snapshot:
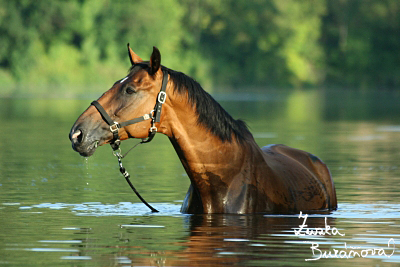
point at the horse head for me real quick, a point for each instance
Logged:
(131, 97)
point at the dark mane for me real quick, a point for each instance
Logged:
(210, 113)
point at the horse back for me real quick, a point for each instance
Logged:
(281, 157)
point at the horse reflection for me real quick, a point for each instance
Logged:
(214, 240)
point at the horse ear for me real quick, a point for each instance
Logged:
(155, 60)
(133, 57)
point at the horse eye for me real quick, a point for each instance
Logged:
(129, 90)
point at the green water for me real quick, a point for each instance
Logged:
(57, 208)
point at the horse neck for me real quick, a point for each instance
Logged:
(209, 162)
(203, 154)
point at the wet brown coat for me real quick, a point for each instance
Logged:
(226, 176)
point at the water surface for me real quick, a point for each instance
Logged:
(57, 208)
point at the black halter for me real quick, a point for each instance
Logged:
(154, 115)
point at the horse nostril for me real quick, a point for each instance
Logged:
(77, 136)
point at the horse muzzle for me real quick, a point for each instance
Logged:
(82, 142)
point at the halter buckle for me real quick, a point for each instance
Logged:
(153, 129)
(114, 127)
(162, 96)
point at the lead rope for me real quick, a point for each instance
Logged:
(123, 171)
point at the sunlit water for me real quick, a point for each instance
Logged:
(58, 209)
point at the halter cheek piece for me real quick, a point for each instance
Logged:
(154, 115)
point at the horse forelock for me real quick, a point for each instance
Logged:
(210, 113)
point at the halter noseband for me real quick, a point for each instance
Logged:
(154, 115)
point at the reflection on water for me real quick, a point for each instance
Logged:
(57, 208)
(346, 210)
(120, 209)
(126, 233)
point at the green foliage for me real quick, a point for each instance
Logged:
(67, 45)
(361, 43)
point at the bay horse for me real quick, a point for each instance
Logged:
(229, 172)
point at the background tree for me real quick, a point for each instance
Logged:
(226, 45)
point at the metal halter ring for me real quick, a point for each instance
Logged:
(117, 153)
(153, 129)
(114, 127)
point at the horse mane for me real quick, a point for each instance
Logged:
(210, 113)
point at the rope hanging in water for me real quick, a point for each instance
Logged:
(127, 176)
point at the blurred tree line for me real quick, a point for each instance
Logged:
(66, 44)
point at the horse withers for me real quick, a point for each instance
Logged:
(229, 173)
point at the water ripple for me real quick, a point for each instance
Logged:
(345, 211)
